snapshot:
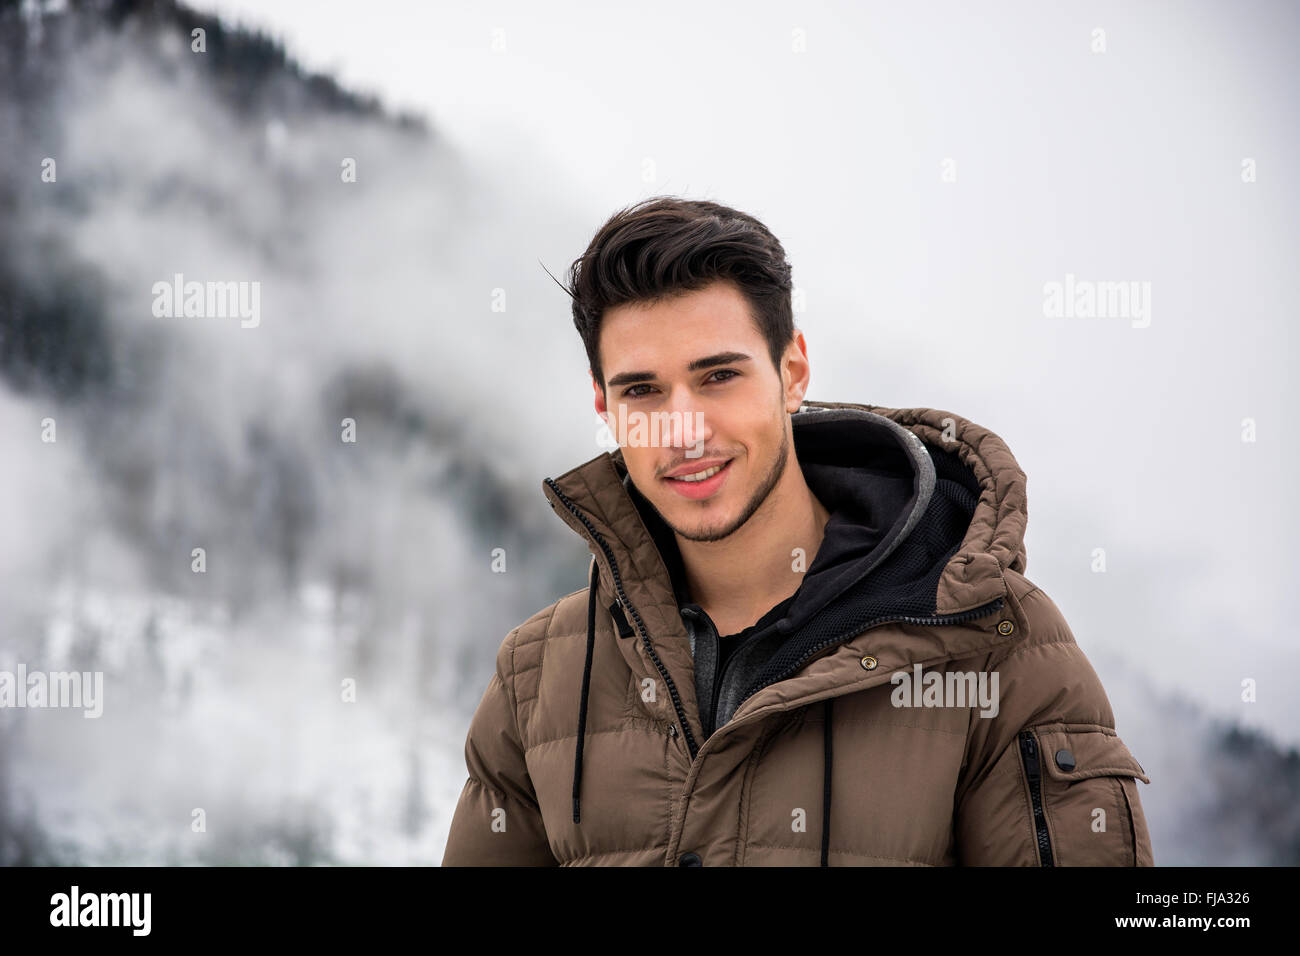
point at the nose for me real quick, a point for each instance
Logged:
(688, 427)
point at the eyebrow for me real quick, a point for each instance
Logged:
(709, 361)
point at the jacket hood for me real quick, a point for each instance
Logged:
(927, 510)
(897, 447)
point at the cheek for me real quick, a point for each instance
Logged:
(641, 465)
(758, 436)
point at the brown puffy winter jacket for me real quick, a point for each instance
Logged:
(589, 747)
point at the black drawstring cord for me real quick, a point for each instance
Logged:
(826, 783)
(586, 684)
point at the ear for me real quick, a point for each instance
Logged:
(600, 397)
(795, 372)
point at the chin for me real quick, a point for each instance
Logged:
(690, 525)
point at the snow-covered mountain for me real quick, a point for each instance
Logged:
(131, 156)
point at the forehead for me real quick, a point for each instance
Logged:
(675, 330)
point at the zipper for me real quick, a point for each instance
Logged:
(623, 602)
(1029, 753)
(719, 669)
(713, 635)
(720, 674)
(706, 631)
(958, 618)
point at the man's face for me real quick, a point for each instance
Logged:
(700, 412)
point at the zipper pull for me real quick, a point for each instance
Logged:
(1030, 748)
(620, 619)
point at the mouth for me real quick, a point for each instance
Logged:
(701, 484)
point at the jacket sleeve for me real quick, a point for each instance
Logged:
(497, 821)
(1048, 781)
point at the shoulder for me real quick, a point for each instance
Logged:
(525, 644)
(533, 646)
(1039, 623)
(1043, 673)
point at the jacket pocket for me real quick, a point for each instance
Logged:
(1083, 797)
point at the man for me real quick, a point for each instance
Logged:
(807, 638)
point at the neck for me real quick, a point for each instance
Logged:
(740, 578)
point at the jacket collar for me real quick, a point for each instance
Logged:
(874, 477)
(595, 501)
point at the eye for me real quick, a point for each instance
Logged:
(728, 373)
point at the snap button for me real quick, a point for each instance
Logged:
(690, 859)
(869, 663)
(1005, 628)
(1065, 760)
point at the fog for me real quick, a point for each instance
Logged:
(929, 171)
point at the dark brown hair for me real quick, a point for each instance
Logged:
(665, 246)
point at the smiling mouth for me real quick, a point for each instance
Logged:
(702, 475)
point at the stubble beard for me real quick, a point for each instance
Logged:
(755, 502)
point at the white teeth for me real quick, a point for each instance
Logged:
(699, 475)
